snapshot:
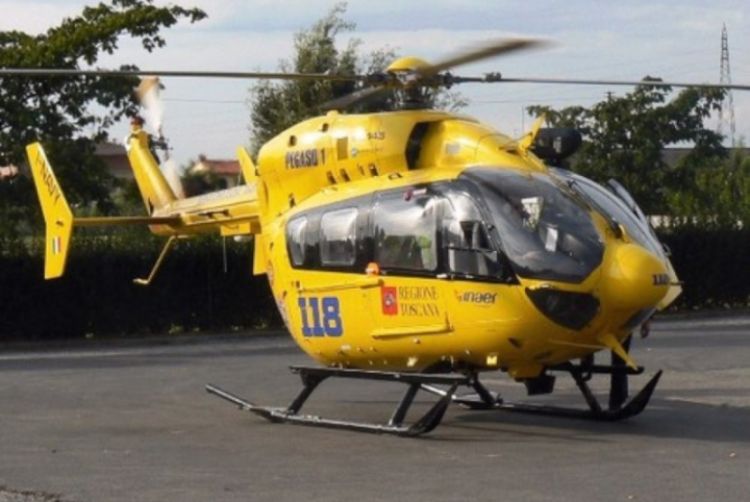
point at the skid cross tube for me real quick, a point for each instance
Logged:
(313, 376)
(484, 399)
(595, 411)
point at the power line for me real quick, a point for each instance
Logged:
(200, 100)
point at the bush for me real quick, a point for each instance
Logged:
(192, 292)
(97, 295)
(713, 264)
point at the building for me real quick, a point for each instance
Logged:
(7, 172)
(228, 172)
(115, 157)
(204, 176)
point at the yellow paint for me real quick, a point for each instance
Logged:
(609, 340)
(408, 63)
(57, 214)
(335, 157)
(247, 165)
(154, 188)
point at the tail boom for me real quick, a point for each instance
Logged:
(59, 219)
(229, 212)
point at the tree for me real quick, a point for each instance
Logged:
(62, 111)
(720, 197)
(277, 106)
(624, 138)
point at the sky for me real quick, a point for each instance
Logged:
(674, 40)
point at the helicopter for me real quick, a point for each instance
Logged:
(418, 246)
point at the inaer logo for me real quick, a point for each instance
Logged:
(476, 297)
(389, 300)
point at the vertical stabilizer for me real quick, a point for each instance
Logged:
(247, 165)
(57, 214)
(151, 182)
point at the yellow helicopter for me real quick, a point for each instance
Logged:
(418, 246)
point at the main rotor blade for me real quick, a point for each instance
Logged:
(66, 72)
(481, 52)
(353, 98)
(566, 81)
(484, 51)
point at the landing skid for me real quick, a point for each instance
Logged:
(480, 399)
(484, 399)
(311, 377)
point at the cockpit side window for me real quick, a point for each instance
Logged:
(405, 230)
(466, 242)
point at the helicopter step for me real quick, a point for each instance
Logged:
(484, 399)
(313, 376)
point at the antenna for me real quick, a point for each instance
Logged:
(727, 105)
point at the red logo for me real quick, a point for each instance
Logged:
(389, 300)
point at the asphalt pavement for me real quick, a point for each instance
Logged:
(132, 422)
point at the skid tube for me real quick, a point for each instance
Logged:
(312, 376)
(484, 399)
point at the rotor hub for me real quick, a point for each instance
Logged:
(407, 64)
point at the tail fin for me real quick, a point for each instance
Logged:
(151, 182)
(57, 214)
(251, 179)
(247, 165)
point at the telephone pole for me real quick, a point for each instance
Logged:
(726, 110)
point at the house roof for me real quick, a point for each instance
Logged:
(109, 149)
(223, 167)
(219, 167)
(8, 171)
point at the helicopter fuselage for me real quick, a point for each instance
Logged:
(417, 241)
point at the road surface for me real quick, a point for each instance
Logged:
(131, 422)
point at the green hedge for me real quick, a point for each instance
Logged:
(192, 292)
(713, 264)
(97, 294)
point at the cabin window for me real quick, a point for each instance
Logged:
(405, 230)
(338, 237)
(295, 236)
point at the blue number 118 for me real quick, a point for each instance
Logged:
(320, 316)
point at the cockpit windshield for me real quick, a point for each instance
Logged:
(545, 230)
(613, 205)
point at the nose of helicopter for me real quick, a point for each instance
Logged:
(634, 278)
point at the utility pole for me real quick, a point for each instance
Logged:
(726, 109)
